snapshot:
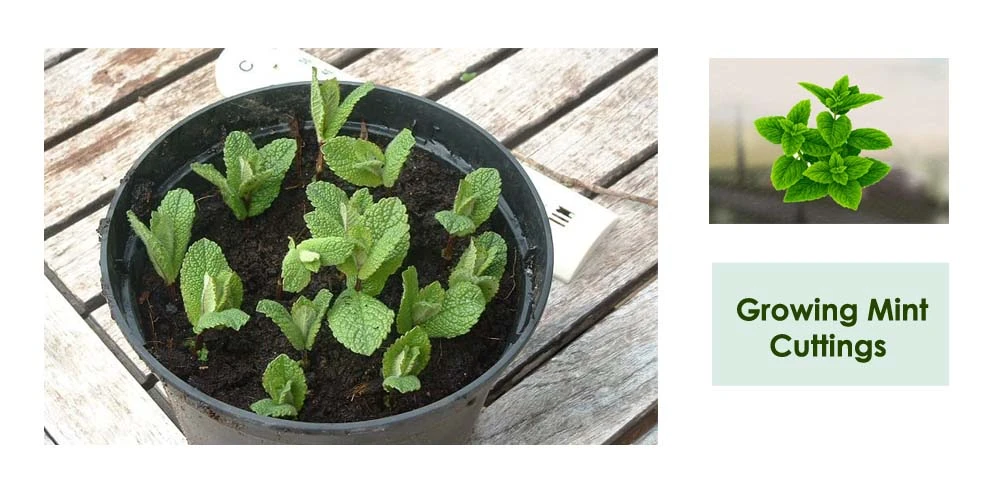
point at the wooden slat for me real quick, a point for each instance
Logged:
(53, 56)
(90, 82)
(625, 118)
(89, 397)
(649, 437)
(102, 316)
(91, 163)
(529, 86)
(74, 255)
(418, 71)
(589, 391)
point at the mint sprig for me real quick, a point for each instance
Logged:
(166, 239)
(301, 325)
(363, 163)
(285, 383)
(253, 177)
(404, 360)
(824, 161)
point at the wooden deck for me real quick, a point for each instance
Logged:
(588, 374)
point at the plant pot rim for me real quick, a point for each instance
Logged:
(539, 295)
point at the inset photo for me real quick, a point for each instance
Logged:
(843, 141)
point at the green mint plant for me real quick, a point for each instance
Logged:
(404, 360)
(477, 196)
(363, 163)
(211, 291)
(360, 322)
(378, 232)
(329, 114)
(440, 313)
(482, 264)
(253, 177)
(825, 160)
(168, 234)
(306, 258)
(285, 383)
(302, 324)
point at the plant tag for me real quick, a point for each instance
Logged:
(577, 222)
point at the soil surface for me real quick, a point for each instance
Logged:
(343, 386)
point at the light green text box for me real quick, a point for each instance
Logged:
(916, 351)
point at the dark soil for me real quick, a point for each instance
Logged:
(343, 386)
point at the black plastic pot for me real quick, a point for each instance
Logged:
(447, 135)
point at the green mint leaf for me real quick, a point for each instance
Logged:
(856, 167)
(792, 142)
(406, 383)
(362, 200)
(204, 273)
(239, 147)
(847, 196)
(463, 303)
(769, 127)
(786, 171)
(842, 85)
(806, 190)
(383, 249)
(800, 112)
(302, 324)
(869, 138)
(455, 224)
(294, 273)
(877, 172)
(839, 178)
(815, 145)
(356, 161)
(276, 158)
(280, 316)
(818, 172)
(834, 132)
(331, 206)
(285, 382)
(854, 89)
(429, 301)
(405, 359)
(306, 258)
(404, 317)
(167, 238)
(856, 101)
(359, 322)
(482, 264)
(229, 196)
(268, 408)
(229, 318)
(847, 150)
(331, 250)
(820, 92)
(324, 99)
(396, 154)
(334, 124)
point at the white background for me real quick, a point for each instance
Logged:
(714, 442)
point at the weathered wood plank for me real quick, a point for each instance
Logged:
(418, 71)
(102, 316)
(627, 252)
(54, 56)
(91, 163)
(530, 85)
(589, 391)
(622, 118)
(89, 397)
(74, 255)
(649, 437)
(85, 86)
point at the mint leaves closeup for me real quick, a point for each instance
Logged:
(169, 231)
(824, 161)
(285, 383)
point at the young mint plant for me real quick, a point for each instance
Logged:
(359, 322)
(168, 234)
(404, 360)
(306, 258)
(285, 382)
(253, 177)
(824, 160)
(482, 264)
(379, 232)
(302, 324)
(477, 196)
(441, 313)
(363, 163)
(211, 291)
(329, 114)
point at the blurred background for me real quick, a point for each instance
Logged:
(913, 111)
